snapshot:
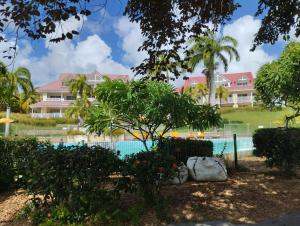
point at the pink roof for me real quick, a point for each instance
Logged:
(232, 77)
(54, 104)
(58, 85)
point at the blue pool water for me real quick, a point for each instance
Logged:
(131, 147)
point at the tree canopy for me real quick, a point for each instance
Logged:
(278, 83)
(149, 108)
(166, 25)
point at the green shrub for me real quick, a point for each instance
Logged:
(27, 120)
(182, 149)
(280, 146)
(115, 216)
(65, 120)
(75, 176)
(13, 158)
(145, 173)
(75, 132)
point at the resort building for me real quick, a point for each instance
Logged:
(240, 86)
(56, 96)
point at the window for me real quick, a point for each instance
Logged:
(221, 81)
(54, 96)
(194, 83)
(242, 95)
(70, 98)
(242, 81)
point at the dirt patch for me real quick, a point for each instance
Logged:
(10, 204)
(247, 197)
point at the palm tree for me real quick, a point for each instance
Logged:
(80, 88)
(161, 66)
(199, 90)
(210, 50)
(79, 109)
(222, 93)
(26, 99)
(12, 85)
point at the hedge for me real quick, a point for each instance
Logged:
(13, 158)
(280, 146)
(75, 175)
(182, 149)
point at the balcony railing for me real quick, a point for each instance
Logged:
(245, 99)
(54, 99)
(47, 115)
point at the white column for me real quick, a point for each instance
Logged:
(6, 134)
(61, 96)
(60, 112)
(235, 100)
(251, 99)
(44, 96)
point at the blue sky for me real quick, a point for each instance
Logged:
(108, 43)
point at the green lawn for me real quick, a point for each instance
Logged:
(256, 117)
(241, 121)
(246, 120)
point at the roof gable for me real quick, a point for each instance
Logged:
(59, 84)
(230, 77)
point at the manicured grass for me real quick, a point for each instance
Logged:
(256, 117)
(246, 120)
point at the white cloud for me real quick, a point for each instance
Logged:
(131, 39)
(82, 57)
(243, 30)
(85, 56)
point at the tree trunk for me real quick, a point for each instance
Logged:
(212, 92)
(7, 124)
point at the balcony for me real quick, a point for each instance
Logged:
(48, 115)
(54, 99)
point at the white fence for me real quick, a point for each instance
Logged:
(47, 115)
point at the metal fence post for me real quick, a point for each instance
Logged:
(235, 152)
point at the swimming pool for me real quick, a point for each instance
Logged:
(131, 147)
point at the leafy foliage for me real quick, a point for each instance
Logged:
(82, 90)
(72, 175)
(281, 147)
(200, 90)
(16, 88)
(222, 93)
(146, 172)
(182, 149)
(278, 83)
(13, 154)
(280, 18)
(163, 23)
(71, 185)
(150, 108)
(28, 120)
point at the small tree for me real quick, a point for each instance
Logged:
(82, 90)
(222, 93)
(278, 83)
(200, 90)
(151, 108)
